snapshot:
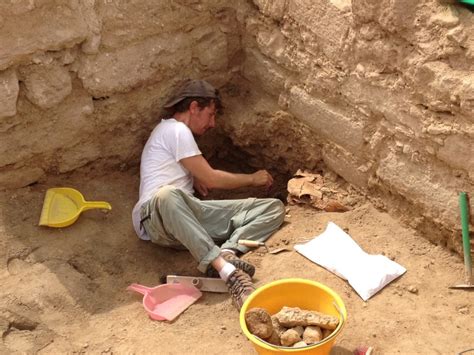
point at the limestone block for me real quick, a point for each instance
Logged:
(327, 22)
(326, 120)
(342, 5)
(393, 15)
(131, 66)
(444, 88)
(8, 93)
(459, 36)
(127, 22)
(258, 68)
(447, 16)
(47, 85)
(273, 44)
(465, 92)
(44, 28)
(365, 11)
(210, 47)
(426, 83)
(274, 9)
(436, 30)
(394, 105)
(436, 75)
(426, 185)
(458, 152)
(378, 55)
(352, 168)
(15, 178)
(293, 50)
(398, 15)
(440, 128)
(369, 32)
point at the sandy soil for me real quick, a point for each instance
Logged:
(63, 290)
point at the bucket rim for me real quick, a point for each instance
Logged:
(337, 302)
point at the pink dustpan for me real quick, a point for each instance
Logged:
(166, 302)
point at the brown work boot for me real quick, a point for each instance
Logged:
(234, 260)
(240, 287)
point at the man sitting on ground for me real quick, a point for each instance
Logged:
(169, 215)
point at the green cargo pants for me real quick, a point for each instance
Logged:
(175, 219)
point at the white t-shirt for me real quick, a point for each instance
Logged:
(169, 142)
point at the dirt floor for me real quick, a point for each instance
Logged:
(63, 290)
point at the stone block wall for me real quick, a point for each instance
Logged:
(387, 89)
(379, 91)
(82, 81)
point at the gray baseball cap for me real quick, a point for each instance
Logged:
(192, 88)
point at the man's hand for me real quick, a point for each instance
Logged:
(262, 178)
(209, 178)
(200, 187)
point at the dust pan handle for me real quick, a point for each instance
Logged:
(89, 205)
(465, 236)
(139, 288)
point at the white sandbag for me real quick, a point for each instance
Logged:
(336, 251)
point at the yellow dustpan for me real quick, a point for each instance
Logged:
(63, 205)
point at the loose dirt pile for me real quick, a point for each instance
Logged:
(63, 290)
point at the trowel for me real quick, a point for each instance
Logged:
(252, 244)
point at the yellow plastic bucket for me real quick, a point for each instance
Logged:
(302, 293)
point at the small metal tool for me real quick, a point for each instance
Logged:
(202, 283)
(279, 250)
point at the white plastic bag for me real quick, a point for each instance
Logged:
(336, 251)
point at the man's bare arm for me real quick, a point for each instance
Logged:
(219, 179)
